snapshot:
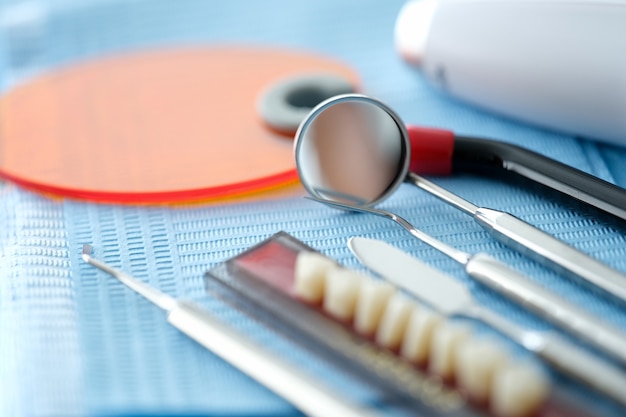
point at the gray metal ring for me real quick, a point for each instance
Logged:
(285, 104)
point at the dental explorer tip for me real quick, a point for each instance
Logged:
(87, 251)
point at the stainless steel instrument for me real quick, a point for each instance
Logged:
(534, 243)
(354, 149)
(295, 386)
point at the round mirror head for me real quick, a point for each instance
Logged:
(352, 149)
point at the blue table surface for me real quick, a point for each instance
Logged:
(73, 342)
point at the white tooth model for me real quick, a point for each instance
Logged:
(310, 275)
(418, 335)
(556, 63)
(372, 300)
(394, 320)
(446, 340)
(518, 389)
(341, 292)
(478, 361)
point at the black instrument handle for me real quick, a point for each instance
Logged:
(480, 155)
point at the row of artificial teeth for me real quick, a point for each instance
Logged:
(448, 349)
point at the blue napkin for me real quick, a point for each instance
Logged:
(75, 342)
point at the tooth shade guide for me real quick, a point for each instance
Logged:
(449, 349)
(450, 352)
(301, 315)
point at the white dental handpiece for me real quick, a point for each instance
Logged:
(556, 63)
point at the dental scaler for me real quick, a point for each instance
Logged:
(555, 63)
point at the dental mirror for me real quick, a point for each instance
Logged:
(353, 149)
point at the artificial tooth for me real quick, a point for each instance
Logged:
(394, 321)
(341, 292)
(518, 390)
(477, 361)
(310, 275)
(371, 303)
(445, 342)
(418, 335)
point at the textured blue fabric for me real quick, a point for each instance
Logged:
(75, 342)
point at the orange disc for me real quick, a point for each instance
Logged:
(153, 127)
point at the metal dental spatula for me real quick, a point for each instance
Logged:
(450, 297)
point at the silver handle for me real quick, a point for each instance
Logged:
(580, 364)
(303, 391)
(548, 305)
(562, 354)
(551, 252)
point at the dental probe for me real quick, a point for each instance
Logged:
(300, 389)
(534, 242)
